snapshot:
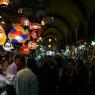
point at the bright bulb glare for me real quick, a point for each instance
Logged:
(49, 46)
(49, 40)
(93, 43)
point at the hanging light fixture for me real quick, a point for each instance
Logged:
(24, 50)
(4, 2)
(19, 35)
(2, 35)
(7, 46)
(21, 10)
(47, 20)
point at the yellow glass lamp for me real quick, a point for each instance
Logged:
(4, 2)
(2, 38)
(2, 35)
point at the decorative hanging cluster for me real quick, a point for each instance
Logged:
(4, 2)
(22, 32)
(19, 35)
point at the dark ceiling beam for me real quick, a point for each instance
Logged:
(82, 8)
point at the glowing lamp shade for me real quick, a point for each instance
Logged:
(39, 39)
(19, 35)
(24, 50)
(2, 38)
(4, 2)
(36, 27)
(25, 22)
(32, 45)
(34, 35)
(7, 46)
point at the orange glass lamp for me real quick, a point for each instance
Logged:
(2, 38)
(24, 50)
(32, 45)
(4, 2)
(2, 35)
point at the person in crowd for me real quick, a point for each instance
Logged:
(93, 77)
(34, 66)
(2, 82)
(82, 77)
(11, 71)
(68, 83)
(48, 77)
(26, 81)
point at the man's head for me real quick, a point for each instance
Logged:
(19, 61)
(31, 62)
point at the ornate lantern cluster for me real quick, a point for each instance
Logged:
(4, 2)
(25, 33)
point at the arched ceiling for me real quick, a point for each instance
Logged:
(68, 10)
(75, 14)
(89, 6)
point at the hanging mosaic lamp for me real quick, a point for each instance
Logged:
(32, 45)
(24, 50)
(36, 27)
(4, 2)
(2, 38)
(19, 35)
(2, 35)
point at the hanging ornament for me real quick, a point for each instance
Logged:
(36, 27)
(39, 39)
(2, 38)
(21, 10)
(24, 21)
(2, 35)
(24, 50)
(43, 21)
(8, 46)
(4, 2)
(47, 20)
(34, 35)
(19, 35)
(32, 45)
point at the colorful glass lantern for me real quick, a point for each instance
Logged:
(4, 2)
(32, 45)
(19, 35)
(34, 35)
(36, 27)
(2, 38)
(2, 35)
(24, 50)
(7, 46)
(39, 39)
(24, 21)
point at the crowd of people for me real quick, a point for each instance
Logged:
(56, 75)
